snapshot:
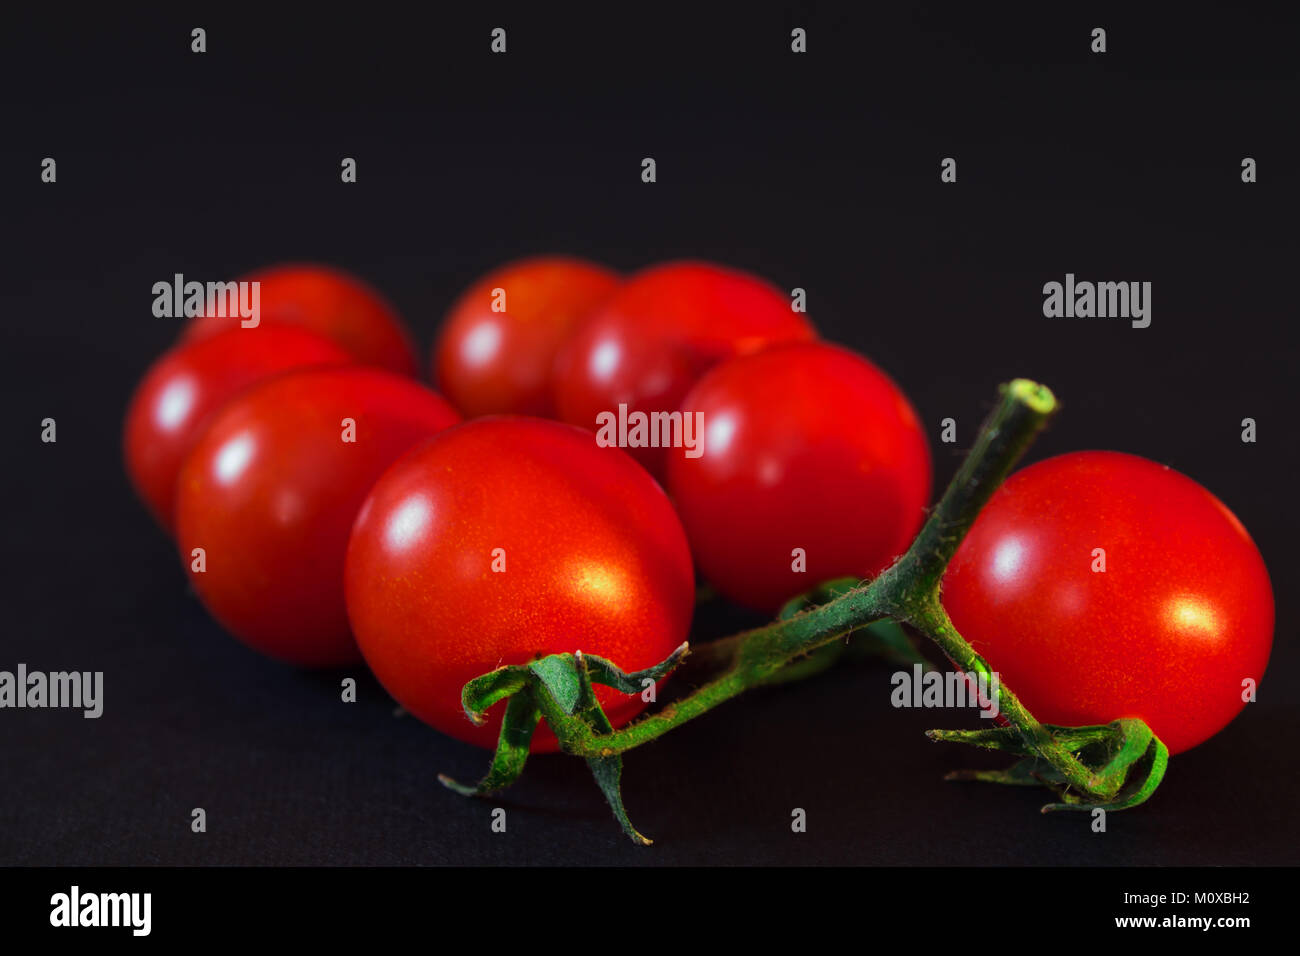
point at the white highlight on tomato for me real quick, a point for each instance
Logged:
(175, 403)
(408, 522)
(234, 457)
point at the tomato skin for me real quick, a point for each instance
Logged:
(653, 338)
(489, 362)
(186, 386)
(595, 561)
(270, 493)
(329, 302)
(1181, 616)
(806, 446)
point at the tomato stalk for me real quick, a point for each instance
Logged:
(1113, 766)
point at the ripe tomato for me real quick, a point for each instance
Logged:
(658, 333)
(805, 446)
(185, 387)
(270, 492)
(1181, 615)
(329, 302)
(489, 361)
(505, 539)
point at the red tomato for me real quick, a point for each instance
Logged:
(1182, 614)
(594, 560)
(185, 387)
(805, 446)
(490, 361)
(270, 493)
(658, 333)
(331, 303)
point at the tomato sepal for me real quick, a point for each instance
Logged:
(482, 692)
(559, 689)
(565, 694)
(1126, 759)
(604, 672)
(608, 770)
(561, 676)
(521, 719)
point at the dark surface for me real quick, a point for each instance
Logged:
(818, 171)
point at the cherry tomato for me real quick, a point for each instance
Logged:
(496, 351)
(1179, 618)
(658, 333)
(329, 302)
(506, 539)
(806, 446)
(185, 387)
(270, 493)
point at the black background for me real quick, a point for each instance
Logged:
(820, 171)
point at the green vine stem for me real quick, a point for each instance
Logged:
(1112, 767)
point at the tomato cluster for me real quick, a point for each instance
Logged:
(329, 508)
